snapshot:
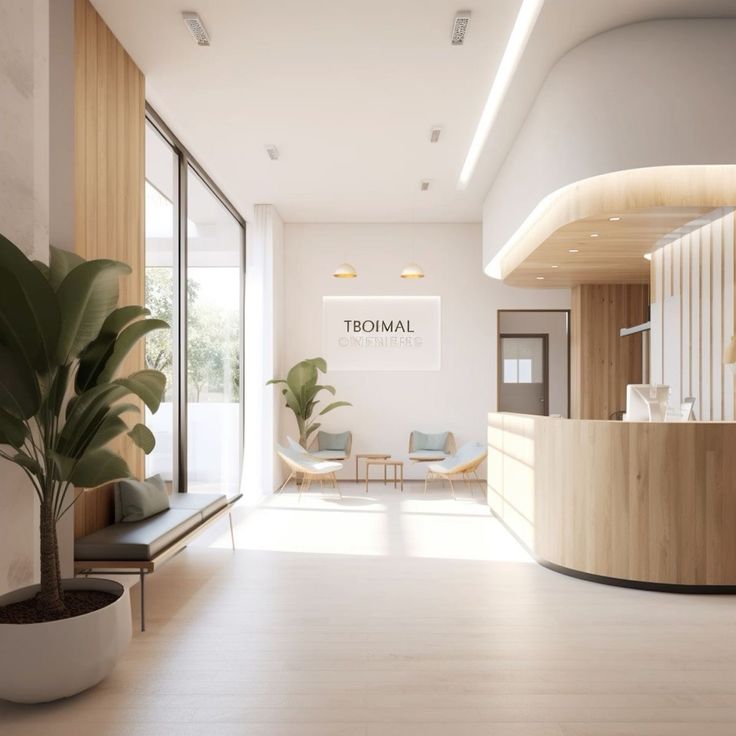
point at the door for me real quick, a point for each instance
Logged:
(523, 374)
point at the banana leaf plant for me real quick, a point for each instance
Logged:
(63, 340)
(300, 393)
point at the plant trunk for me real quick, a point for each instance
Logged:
(50, 597)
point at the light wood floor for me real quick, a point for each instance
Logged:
(400, 616)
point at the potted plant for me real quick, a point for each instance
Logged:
(301, 395)
(63, 339)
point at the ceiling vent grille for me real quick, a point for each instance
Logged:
(460, 27)
(434, 135)
(273, 152)
(424, 185)
(199, 33)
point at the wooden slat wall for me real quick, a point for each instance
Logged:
(693, 316)
(652, 502)
(601, 362)
(109, 120)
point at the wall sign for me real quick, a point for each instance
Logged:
(382, 333)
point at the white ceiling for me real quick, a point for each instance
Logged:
(348, 91)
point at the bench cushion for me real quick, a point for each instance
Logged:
(137, 540)
(206, 503)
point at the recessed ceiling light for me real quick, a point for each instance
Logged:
(273, 152)
(594, 235)
(540, 278)
(434, 134)
(573, 250)
(199, 33)
(615, 218)
(512, 54)
(648, 256)
(554, 266)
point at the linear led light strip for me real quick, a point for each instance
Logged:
(523, 26)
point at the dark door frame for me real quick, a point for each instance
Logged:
(567, 313)
(545, 357)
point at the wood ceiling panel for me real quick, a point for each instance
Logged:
(608, 252)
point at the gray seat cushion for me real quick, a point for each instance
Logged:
(206, 503)
(137, 540)
(329, 454)
(427, 455)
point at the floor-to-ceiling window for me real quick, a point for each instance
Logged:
(214, 279)
(195, 243)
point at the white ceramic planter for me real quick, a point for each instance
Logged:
(56, 659)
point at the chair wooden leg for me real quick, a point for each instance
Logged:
(426, 480)
(452, 487)
(286, 482)
(334, 480)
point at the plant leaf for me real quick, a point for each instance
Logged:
(275, 380)
(148, 385)
(111, 426)
(27, 462)
(87, 296)
(143, 437)
(318, 363)
(312, 428)
(12, 430)
(124, 344)
(334, 405)
(43, 268)
(92, 361)
(331, 389)
(29, 310)
(98, 467)
(121, 317)
(61, 262)
(20, 394)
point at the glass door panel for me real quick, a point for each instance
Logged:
(214, 283)
(523, 368)
(161, 213)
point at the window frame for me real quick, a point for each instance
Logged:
(184, 162)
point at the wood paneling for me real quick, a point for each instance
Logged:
(614, 256)
(683, 188)
(651, 502)
(109, 119)
(601, 362)
(693, 315)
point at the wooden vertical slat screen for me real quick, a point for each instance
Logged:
(692, 324)
(109, 121)
(601, 362)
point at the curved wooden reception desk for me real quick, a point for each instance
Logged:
(635, 503)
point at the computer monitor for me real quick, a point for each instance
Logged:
(638, 396)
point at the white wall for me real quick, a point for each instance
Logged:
(554, 324)
(24, 197)
(692, 316)
(388, 405)
(649, 94)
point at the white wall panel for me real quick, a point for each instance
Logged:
(693, 315)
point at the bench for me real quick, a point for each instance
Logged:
(141, 547)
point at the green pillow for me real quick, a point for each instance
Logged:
(329, 441)
(431, 442)
(136, 500)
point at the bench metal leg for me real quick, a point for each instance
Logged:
(232, 534)
(143, 600)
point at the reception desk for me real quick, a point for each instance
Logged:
(636, 503)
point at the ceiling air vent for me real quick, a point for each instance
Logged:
(199, 33)
(424, 185)
(460, 27)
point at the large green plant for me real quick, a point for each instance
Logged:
(63, 339)
(301, 395)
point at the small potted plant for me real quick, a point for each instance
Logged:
(63, 340)
(300, 393)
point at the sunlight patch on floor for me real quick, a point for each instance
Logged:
(380, 523)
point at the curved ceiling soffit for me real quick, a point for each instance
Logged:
(594, 134)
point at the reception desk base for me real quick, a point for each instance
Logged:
(645, 505)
